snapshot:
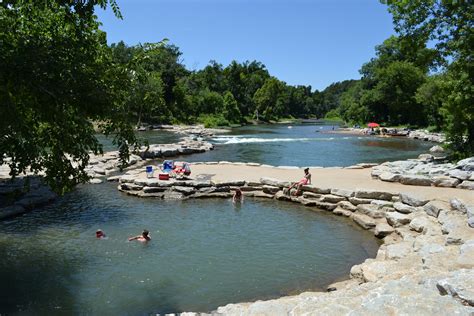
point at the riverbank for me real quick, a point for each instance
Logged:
(426, 262)
(393, 132)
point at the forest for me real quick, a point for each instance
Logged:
(60, 81)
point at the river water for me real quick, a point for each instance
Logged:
(203, 253)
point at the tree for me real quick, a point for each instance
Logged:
(448, 24)
(56, 79)
(231, 109)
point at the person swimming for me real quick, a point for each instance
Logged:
(238, 196)
(100, 234)
(144, 237)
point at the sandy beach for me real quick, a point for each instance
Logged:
(340, 178)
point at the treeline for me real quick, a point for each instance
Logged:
(408, 83)
(162, 90)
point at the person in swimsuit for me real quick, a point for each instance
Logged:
(144, 237)
(238, 197)
(306, 180)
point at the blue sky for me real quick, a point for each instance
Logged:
(307, 42)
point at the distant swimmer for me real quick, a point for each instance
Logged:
(100, 234)
(144, 237)
(238, 196)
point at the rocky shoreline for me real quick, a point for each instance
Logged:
(426, 171)
(425, 264)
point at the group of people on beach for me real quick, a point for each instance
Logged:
(144, 237)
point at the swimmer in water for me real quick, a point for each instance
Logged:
(238, 196)
(144, 237)
(99, 234)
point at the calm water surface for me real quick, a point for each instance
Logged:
(204, 253)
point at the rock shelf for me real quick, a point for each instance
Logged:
(426, 171)
(425, 264)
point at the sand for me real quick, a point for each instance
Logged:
(340, 178)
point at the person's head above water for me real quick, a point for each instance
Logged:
(145, 233)
(99, 233)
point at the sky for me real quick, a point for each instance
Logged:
(302, 42)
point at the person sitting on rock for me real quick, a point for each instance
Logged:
(298, 185)
(144, 237)
(238, 196)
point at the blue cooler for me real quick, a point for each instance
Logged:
(149, 171)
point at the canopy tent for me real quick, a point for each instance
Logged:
(372, 125)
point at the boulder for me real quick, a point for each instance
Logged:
(153, 182)
(268, 189)
(470, 215)
(259, 194)
(403, 208)
(415, 180)
(412, 200)
(250, 188)
(445, 182)
(381, 203)
(325, 205)
(426, 157)
(282, 197)
(459, 285)
(315, 189)
(347, 206)
(373, 194)
(466, 256)
(130, 187)
(433, 208)
(330, 198)
(113, 178)
(390, 177)
(364, 221)
(196, 183)
(95, 181)
(184, 190)
(357, 201)
(458, 174)
(341, 211)
(398, 250)
(153, 189)
(274, 182)
(458, 205)
(381, 229)
(370, 210)
(466, 184)
(436, 149)
(311, 195)
(234, 183)
(342, 192)
(397, 219)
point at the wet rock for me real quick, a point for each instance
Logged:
(364, 221)
(95, 181)
(412, 200)
(341, 211)
(372, 194)
(415, 180)
(130, 187)
(153, 189)
(282, 197)
(325, 205)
